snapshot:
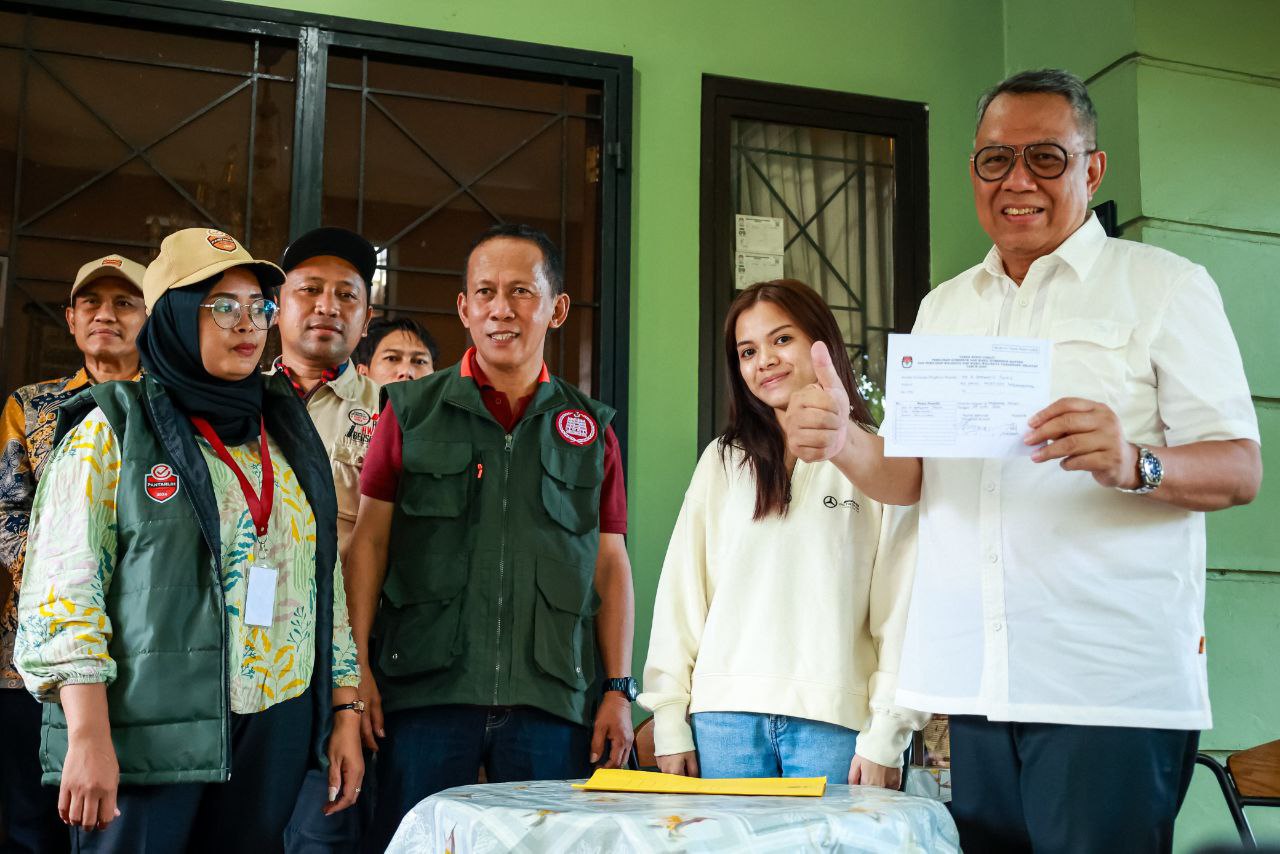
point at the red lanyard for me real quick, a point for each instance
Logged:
(259, 506)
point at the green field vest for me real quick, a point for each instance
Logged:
(489, 597)
(170, 705)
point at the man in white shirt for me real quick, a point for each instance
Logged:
(1058, 606)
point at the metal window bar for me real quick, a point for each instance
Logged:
(822, 257)
(135, 152)
(158, 63)
(468, 102)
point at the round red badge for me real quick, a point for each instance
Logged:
(576, 427)
(161, 483)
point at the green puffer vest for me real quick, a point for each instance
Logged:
(169, 705)
(489, 597)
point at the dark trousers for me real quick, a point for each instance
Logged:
(436, 748)
(1050, 788)
(29, 810)
(269, 753)
(310, 831)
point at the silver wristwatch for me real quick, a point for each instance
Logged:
(1150, 472)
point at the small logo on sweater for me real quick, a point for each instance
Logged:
(161, 483)
(576, 427)
(833, 502)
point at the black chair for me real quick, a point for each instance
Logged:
(1251, 778)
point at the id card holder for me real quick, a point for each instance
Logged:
(260, 598)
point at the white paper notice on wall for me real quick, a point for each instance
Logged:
(759, 235)
(749, 268)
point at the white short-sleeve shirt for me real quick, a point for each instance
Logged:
(1039, 594)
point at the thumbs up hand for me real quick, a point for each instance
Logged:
(816, 424)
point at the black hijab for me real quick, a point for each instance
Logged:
(169, 349)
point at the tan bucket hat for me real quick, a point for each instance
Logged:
(109, 265)
(193, 255)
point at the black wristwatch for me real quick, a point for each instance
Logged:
(357, 707)
(627, 685)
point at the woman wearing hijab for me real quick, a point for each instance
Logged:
(183, 614)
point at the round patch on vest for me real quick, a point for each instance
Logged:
(161, 483)
(359, 417)
(221, 240)
(576, 427)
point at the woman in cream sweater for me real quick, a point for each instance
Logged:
(783, 597)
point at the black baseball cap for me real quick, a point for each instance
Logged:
(338, 242)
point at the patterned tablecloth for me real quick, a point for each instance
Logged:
(549, 816)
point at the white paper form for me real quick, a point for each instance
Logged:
(749, 268)
(963, 396)
(760, 235)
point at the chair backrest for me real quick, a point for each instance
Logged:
(1256, 771)
(645, 758)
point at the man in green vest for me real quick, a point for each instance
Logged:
(488, 566)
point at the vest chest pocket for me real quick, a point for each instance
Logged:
(1090, 358)
(571, 487)
(562, 645)
(437, 477)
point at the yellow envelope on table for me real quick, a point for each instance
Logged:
(621, 780)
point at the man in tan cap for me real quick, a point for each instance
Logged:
(104, 314)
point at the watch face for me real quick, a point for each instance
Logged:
(1152, 471)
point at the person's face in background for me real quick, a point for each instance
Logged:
(399, 356)
(232, 354)
(1027, 216)
(509, 304)
(773, 354)
(105, 318)
(324, 311)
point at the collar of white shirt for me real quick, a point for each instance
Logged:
(1077, 252)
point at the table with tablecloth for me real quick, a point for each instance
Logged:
(551, 816)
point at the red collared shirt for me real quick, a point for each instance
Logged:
(380, 477)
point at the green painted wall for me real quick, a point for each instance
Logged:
(1188, 95)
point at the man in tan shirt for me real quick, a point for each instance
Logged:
(324, 312)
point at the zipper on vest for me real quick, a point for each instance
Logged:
(226, 683)
(502, 564)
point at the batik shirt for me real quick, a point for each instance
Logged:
(64, 632)
(26, 438)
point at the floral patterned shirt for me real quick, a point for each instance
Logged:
(63, 630)
(26, 438)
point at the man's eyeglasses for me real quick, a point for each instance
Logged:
(227, 312)
(1044, 159)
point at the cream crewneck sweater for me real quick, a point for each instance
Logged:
(799, 615)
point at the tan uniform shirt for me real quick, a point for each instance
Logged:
(345, 411)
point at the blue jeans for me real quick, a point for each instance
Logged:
(431, 749)
(752, 744)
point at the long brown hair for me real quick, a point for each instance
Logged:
(753, 426)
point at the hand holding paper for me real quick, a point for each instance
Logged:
(1086, 436)
(963, 396)
(817, 419)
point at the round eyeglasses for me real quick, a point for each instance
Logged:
(227, 312)
(1043, 159)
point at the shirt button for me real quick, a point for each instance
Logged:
(997, 625)
(993, 557)
(990, 487)
(394, 656)
(1024, 302)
